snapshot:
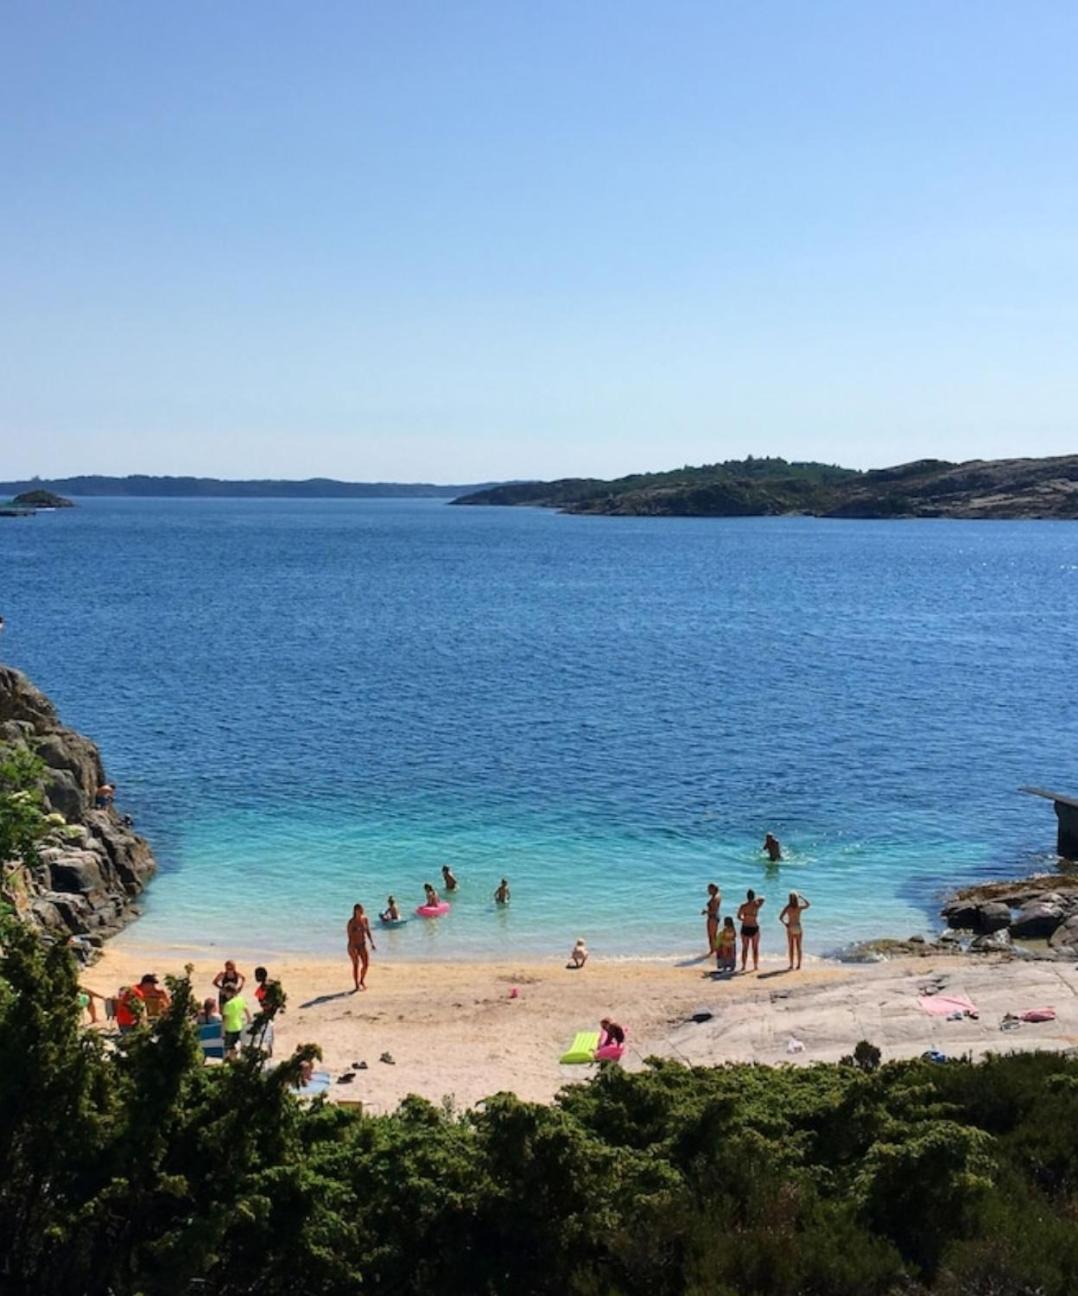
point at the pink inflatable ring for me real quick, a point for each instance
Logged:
(433, 911)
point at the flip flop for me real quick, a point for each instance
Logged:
(388, 1058)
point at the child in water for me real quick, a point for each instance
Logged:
(390, 913)
(726, 946)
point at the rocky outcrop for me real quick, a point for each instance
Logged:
(1035, 909)
(89, 875)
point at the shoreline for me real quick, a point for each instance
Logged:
(455, 1031)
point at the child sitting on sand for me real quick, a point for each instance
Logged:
(578, 955)
(726, 946)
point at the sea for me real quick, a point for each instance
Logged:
(309, 703)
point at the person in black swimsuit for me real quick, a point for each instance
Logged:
(228, 982)
(749, 918)
(714, 900)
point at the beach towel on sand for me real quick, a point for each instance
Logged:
(582, 1048)
(942, 1005)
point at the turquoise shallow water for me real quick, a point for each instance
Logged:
(308, 703)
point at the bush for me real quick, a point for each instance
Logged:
(130, 1167)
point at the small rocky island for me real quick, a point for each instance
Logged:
(33, 501)
(42, 499)
(90, 873)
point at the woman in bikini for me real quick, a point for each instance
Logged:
(359, 933)
(791, 920)
(228, 982)
(749, 918)
(714, 900)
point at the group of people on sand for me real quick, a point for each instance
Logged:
(227, 1014)
(722, 940)
(361, 938)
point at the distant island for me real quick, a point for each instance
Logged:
(41, 499)
(141, 486)
(30, 501)
(767, 487)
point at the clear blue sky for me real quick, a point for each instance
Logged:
(459, 241)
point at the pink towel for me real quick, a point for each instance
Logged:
(942, 1005)
(1039, 1014)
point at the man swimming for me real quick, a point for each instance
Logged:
(501, 895)
(773, 847)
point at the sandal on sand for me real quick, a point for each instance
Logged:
(388, 1058)
(361, 1066)
(347, 1078)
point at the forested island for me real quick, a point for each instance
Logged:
(140, 485)
(752, 487)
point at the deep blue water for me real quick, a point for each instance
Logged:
(307, 703)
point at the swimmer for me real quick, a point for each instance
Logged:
(359, 933)
(390, 913)
(578, 955)
(501, 895)
(773, 847)
(448, 878)
(749, 918)
(791, 920)
(714, 900)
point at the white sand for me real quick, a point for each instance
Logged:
(454, 1030)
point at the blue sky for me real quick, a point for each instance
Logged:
(457, 241)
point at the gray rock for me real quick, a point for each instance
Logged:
(1064, 940)
(991, 942)
(950, 938)
(1037, 920)
(977, 916)
(79, 871)
(87, 879)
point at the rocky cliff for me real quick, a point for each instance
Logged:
(89, 875)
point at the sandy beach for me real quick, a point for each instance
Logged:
(458, 1031)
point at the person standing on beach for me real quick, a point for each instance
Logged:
(229, 981)
(791, 920)
(501, 895)
(749, 918)
(714, 900)
(359, 933)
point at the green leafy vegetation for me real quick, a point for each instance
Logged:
(129, 1166)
